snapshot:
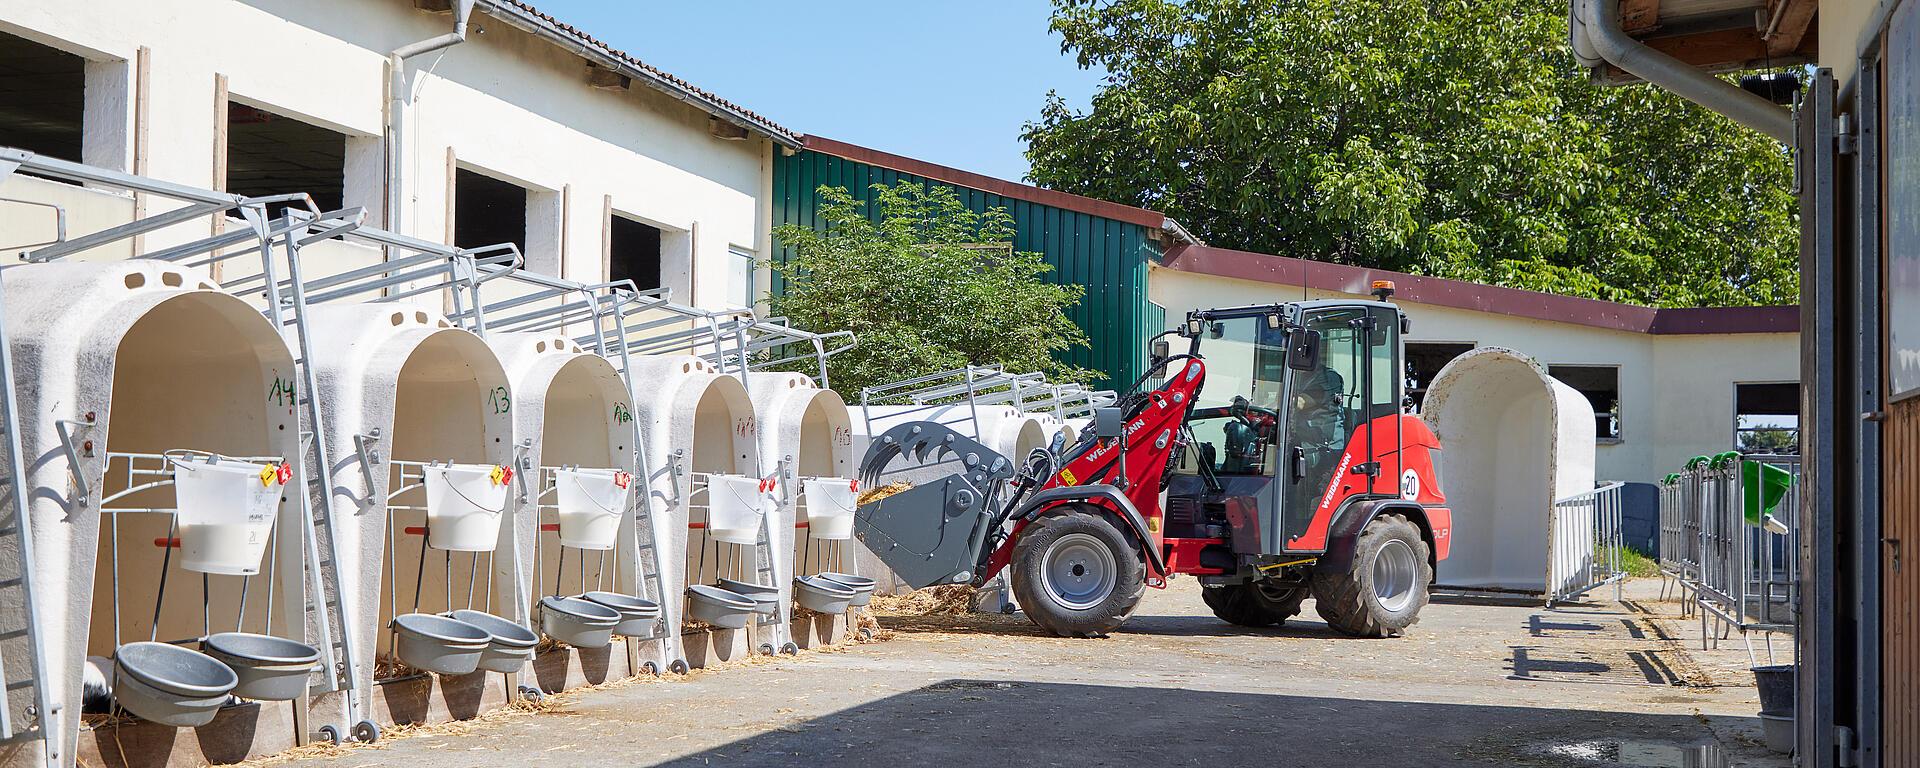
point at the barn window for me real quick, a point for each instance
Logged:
(1601, 386)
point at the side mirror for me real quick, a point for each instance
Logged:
(1161, 351)
(1303, 350)
(1108, 423)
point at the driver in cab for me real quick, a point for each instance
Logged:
(1319, 423)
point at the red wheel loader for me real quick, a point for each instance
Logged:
(1272, 461)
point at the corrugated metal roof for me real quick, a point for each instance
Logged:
(534, 20)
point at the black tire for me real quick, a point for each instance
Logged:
(1254, 604)
(1101, 576)
(1367, 600)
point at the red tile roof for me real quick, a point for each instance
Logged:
(655, 77)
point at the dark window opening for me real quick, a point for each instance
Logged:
(488, 211)
(1424, 361)
(633, 253)
(42, 98)
(1766, 418)
(1601, 386)
(270, 154)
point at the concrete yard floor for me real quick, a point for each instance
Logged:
(1476, 683)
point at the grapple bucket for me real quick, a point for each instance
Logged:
(932, 533)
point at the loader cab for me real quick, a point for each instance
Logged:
(1273, 430)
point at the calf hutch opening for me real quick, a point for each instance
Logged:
(1516, 441)
(174, 580)
(808, 433)
(712, 497)
(577, 439)
(424, 412)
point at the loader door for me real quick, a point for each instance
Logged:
(1322, 405)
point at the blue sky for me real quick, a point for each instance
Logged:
(946, 82)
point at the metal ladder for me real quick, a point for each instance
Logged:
(341, 666)
(767, 633)
(41, 718)
(647, 569)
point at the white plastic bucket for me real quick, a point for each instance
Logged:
(830, 502)
(735, 505)
(464, 502)
(225, 512)
(591, 502)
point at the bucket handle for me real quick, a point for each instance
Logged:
(591, 499)
(456, 491)
(736, 494)
(832, 502)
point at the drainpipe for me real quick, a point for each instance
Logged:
(397, 98)
(1595, 34)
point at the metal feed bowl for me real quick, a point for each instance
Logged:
(511, 647)
(718, 607)
(638, 615)
(822, 595)
(862, 586)
(439, 644)
(269, 668)
(766, 598)
(170, 685)
(577, 622)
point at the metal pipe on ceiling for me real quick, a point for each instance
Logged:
(1595, 35)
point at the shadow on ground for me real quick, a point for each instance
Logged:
(1003, 723)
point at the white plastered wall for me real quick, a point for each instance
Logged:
(430, 392)
(1514, 440)
(570, 408)
(503, 103)
(134, 356)
(1676, 391)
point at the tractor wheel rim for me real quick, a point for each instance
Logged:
(1394, 572)
(1078, 571)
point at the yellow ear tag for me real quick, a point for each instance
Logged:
(498, 475)
(268, 475)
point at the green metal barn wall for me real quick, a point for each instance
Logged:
(1108, 257)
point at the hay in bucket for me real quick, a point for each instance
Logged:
(872, 495)
(942, 600)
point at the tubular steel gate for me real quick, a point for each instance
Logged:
(1731, 562)
(1584, 544)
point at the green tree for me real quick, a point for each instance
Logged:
(1770, 441)
(1454, 138)
(926, 285)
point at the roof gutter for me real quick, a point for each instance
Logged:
(398, 87)
(538, 27)
(1180, 232)
(1595, 34)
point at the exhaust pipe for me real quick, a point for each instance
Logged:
(1594, 33)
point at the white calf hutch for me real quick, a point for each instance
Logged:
(172, 538)
(709, 496)
(575, 426)
(808, 433)
(424, 415)
(1527, 441)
